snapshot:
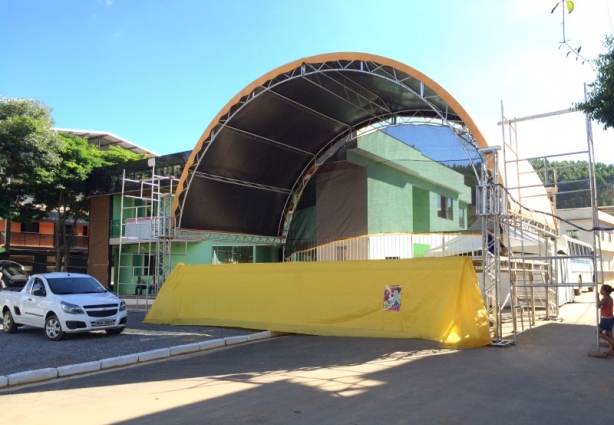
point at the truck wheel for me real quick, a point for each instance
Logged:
(115, 331)
(8, 324)
(53, 328)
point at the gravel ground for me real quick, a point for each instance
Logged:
(29, 349)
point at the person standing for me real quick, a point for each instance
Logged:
(153, 286)
(606, 304)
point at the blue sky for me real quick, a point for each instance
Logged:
(156, 72)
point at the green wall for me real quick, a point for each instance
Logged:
(403, 186)
(422, 210)
(419, 249)
(390, 206)
(266, 254)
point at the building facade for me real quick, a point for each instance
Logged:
(34, 245)
(384, 192)
(376, 187)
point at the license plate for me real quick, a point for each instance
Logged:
(103, 322)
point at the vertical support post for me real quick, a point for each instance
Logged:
(597, 271)
(118, 269)
(490, 207)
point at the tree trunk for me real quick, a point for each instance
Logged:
(67, 243)
(59, 232)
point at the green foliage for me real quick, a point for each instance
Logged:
(116, 155)
(42, 170)
(28, 151)
(64, 186)
(63, 191)
(573, 177)
(66, 183)
(570, 6)
(600, 103)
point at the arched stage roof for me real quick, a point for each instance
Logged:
(247, 171)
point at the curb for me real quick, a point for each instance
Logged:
(47, 374)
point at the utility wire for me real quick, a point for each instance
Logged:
(598, 228)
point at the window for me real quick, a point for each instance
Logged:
(149, 262)
(30, 227)
(444, 207)
(232, 254)
(461, 217)
(573, 234)
(37, 288)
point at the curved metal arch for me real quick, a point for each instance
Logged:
(369, 64)
(333, 146)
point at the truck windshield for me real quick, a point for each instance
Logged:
(14, 271)
(75, 285)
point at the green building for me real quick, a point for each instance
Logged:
(376, 192)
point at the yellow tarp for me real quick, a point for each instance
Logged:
(439, 299)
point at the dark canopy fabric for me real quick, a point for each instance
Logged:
(251, 164)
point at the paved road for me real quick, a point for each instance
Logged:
(28, 349)
(326, 380)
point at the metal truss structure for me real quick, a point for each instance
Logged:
(154, 235)
(490, 207)
(536, 279)
(330, 77)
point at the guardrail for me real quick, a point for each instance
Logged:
(41, 240)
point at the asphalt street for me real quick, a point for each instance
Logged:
(546, 378)
(29, 349)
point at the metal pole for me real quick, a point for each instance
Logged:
(121, 225)
(594, 205)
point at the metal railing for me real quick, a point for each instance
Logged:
(387, 246)
(41, 240)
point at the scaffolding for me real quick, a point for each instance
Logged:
(146, 235)
(490, 208)
(538, 273)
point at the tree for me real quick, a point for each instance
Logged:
(63, 192)
(28, 151)
(600, 103)
(572, 177)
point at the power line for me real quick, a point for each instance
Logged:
(598, 228)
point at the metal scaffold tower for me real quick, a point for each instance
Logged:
(490, 208)
(145, 247)
(538, 267)
(164, 235)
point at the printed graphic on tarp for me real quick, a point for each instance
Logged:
(392, 297)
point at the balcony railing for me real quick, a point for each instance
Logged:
(142, 228)
(40, 240)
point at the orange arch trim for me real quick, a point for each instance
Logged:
(330, 57)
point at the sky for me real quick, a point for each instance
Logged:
(156, 72)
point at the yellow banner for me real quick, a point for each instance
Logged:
(430, 298)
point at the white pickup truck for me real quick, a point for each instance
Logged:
(62, 303)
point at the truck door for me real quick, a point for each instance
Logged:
(35, 303)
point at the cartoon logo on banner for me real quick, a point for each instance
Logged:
(392, 297)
